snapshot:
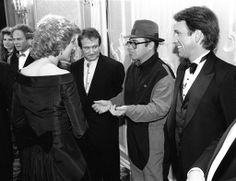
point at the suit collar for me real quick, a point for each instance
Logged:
(200, 86)
(198, 89)
(28, 61)
(97, 71)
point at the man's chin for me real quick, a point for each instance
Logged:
(181, 55)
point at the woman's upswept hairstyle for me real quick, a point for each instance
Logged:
(52, 35)
(204, 19)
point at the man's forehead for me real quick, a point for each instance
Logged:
(18, 33)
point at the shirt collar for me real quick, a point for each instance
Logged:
(90, 62)
(198, 60)
(26, 52)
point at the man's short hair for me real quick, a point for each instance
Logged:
(203, 19)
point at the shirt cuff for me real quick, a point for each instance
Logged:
(194, 173)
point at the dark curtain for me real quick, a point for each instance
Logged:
(2, 15)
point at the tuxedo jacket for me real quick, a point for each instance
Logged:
(226, 170)
(106, 83)
(211, 109)
(14, 62)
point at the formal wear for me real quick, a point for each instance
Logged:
(196, 121)
(6, 157)
(224, 158)
(101, 141)
(221, 159)
(47, 120)
(20, 60)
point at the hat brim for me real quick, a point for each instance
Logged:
(150, 37)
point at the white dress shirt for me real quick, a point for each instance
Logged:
(22, 59)
(88, 73)
(190, 78)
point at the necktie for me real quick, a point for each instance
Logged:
(87, 78)
(137, 62)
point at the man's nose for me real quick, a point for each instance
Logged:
(16, 42)
(175, 38)
(91, 50)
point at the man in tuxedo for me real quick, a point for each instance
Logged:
(6, 156)
(98, 77)
(22, 37)
(219, 163)
(204, 98)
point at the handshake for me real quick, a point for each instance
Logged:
(103, 106)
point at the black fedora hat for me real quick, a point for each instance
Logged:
(145, 29)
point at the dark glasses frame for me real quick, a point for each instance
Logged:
(134, 44)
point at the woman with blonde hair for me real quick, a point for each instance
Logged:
(47, 114)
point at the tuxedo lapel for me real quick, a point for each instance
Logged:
(199, 87)
(177, 88)
(28, 61)
(219, 146)
(96, 77)
(80, 75)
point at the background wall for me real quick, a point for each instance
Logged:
(123, 13)
(71, 9)
(114, 19)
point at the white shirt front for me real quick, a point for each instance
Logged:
(88, 73)
(22, 59)
(190, 78)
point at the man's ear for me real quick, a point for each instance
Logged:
(151, 45)
(29, 41)
(198, 36)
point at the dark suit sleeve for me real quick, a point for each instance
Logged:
(118, 75)
(73, 107)
(71, 68)
(227, 98)
(205, 158)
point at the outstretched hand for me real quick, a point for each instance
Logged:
(101, 106)
(118, 111)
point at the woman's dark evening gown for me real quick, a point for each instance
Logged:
(47, 120)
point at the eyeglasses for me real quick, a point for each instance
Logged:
(95, 47)
(134, 44)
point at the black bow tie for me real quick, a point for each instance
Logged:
(192, 66)
(20, 55)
